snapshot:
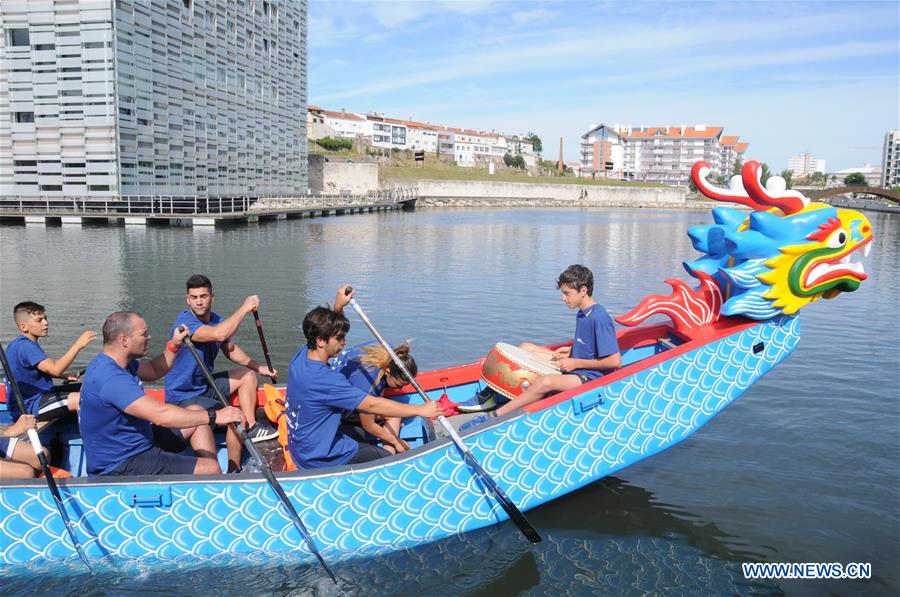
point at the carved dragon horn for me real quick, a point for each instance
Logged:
(735, 194)
(775, 193)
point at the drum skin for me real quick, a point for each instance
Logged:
(510, 370)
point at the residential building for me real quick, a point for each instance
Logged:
(872, 174)
(890, 160)
(101, 99)
(662, 154)
(345, 125)
(732, 153)
(804, 164)
(467, 146)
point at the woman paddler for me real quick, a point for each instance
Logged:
(369, 367)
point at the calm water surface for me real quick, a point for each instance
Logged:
(803, 468)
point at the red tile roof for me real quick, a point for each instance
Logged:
(741, 147)
(688, 132)
(729, 140)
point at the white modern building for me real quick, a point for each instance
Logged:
(890, 160)
(804, 164)
(662, 154)
(202, 98)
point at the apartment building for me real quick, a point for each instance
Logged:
(661, 154)
(468, 147)
(805, 163)
(179, 97)
(890, 160)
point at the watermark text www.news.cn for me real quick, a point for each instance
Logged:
(807, 570)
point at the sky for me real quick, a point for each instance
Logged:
(821, 77)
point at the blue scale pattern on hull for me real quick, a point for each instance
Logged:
(535, 458)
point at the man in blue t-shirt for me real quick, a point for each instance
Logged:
(186, 384)
(318, 396)
(594, 350)
(118, 420)
(34, 370)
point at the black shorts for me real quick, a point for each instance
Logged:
(157, 461)
(367, 453)
(53, 404)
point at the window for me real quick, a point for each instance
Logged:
(97, 187)
(45, 47)
(51, 187)
(18, 37)
(24, 116)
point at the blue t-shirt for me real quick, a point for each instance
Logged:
(24, 355)
(360, 376)
(110, 435)
(185, 380)
(317, 397)
(595, 338)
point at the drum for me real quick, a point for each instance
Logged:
(511, 370)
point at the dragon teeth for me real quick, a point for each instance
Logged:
(866, 250)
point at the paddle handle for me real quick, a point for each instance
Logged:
(265, 347)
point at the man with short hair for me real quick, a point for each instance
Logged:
(34, 370)
(186, 384)
(118, 419)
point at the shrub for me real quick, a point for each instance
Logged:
(332, 144)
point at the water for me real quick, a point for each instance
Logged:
(803, 468)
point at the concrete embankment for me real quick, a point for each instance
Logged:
(470, 193)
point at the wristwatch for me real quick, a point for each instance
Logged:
(211, 412)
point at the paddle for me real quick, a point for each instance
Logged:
(265, 347)
(45, 466)
(511, 510)
(263, 465)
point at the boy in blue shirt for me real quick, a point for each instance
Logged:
(594, 350)
(318, 396)
(186, 385)
(34, 370)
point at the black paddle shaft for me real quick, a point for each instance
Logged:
(42, 459)
(265, 347)
(263, 465)
(507, 504)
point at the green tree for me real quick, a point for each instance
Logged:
(518, 162)
(507, 159)
(788, 176)
(857, 179)
(535, 142)
(766, 173)
(736, 169)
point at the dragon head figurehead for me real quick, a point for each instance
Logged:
(786, 254)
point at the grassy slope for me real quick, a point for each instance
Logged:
(433, 170)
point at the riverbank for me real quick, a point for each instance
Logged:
(472, 193)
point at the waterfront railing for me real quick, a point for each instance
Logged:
(194, 205)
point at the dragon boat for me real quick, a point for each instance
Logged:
(757, 269)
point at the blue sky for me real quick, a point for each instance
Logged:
(787, 77)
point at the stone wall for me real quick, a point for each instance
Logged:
(470, 193)
(330, 176)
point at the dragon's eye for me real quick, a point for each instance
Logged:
(838, 239)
